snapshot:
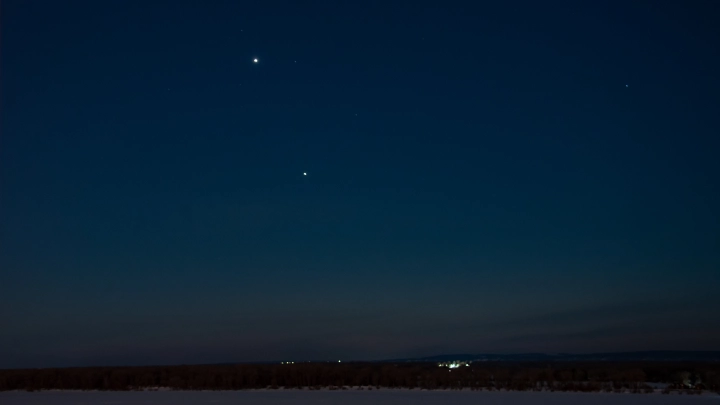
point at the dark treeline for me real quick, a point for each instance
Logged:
(610, 377)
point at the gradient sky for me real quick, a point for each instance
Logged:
(523, 176)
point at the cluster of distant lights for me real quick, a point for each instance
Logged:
(454, 364)
(292, 362)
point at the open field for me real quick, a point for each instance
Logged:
(379, 397)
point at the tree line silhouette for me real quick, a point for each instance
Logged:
(558, 376)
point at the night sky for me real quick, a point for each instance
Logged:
(522, 176)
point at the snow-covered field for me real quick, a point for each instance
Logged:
(379, 397)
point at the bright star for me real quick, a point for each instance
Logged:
(255, 60)
(304, 174)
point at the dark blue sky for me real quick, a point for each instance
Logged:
(524, 176)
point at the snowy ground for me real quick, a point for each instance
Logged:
(379, 397)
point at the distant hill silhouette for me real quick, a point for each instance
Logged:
(670, 355)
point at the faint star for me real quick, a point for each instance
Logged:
(627, 85)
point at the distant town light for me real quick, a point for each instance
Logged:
(454, 364)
